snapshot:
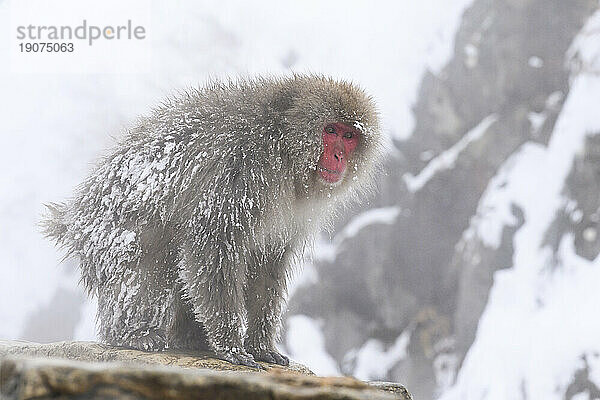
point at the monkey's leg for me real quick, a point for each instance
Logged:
(265, 300)
(136, 304)
(213, 276)
(186, 333)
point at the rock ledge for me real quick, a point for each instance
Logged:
(85, 370)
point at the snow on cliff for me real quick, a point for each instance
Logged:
(541, 321)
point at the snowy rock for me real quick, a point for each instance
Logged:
(91, 370)
(428, 273)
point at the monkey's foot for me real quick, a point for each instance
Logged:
(270, 356)
(239, 357)
(146, 340)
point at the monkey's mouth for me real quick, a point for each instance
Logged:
(330, 175)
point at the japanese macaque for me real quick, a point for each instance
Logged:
(188, 229)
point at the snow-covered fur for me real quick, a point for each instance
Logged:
(186, 231)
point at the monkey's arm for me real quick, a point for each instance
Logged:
(213, 280)
(265, 301)
(216, 255)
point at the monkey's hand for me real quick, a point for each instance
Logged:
(261, 353)
(238, 356)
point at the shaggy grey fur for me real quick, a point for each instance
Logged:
(187, 230)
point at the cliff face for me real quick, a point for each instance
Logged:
(426, 271)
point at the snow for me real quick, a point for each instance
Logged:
(384, 215)
(538, 322)
(306, 345)
(536, 120)
(447, 159)
(581, 396)
(471, 55)
(373, 360)
(535, 62)
(327, 250)
(590, 234)
(494, 209)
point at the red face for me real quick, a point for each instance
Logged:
(339, 142)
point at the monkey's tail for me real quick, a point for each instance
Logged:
(53, 223)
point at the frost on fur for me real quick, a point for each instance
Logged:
(188, 229)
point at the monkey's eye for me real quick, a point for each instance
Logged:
(349, 135)
(330, 129)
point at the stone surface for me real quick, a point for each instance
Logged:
(86, 370)
(92, 352)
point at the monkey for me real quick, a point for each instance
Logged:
(187, 231)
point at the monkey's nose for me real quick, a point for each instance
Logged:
(338, 156)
